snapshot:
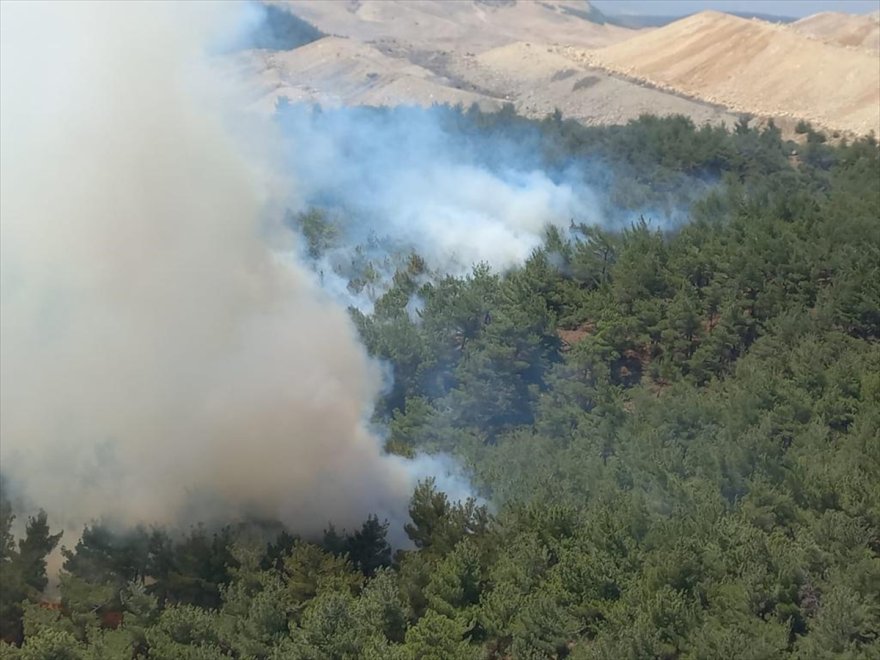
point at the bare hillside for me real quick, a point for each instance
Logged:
(843, 29)
(490, 53)
(473, 25)
(538, 79)
(563, 54)
(337, 71)
(535, 79)
(752, 66)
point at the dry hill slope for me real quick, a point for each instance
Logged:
(538, 79)
(753, 66)
(337, 71)
(488, 52)
(473, 25)
(843, 29)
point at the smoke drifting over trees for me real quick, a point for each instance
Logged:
(159, 359)
(674, 426)
(415, 177)
(161, 339)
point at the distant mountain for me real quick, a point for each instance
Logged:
(843, 29)
(473, 25)
(546, 54)
(755, 67)
(770, 18)
(489, 52)
(639, 21)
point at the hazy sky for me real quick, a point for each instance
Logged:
(795, 8)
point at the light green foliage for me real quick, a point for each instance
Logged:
(456, 582)
(83, 599)
(36, 618)
(52, 644)
(309, 570)
(381, 606)
(438, 524)
(330, 626)
(186, 631)
(436, 637)
(110, 645)
(257, 608)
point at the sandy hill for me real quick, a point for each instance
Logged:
(538, 79)
(843, 29)
(335, 70)
(562, 54)
(752, 66)
(462, 24)
(485, 51)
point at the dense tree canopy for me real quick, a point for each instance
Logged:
(675, 431)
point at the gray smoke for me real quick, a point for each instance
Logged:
(159, 359)
(408, 180)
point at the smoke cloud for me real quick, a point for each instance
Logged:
(408, 180)
(159, 361)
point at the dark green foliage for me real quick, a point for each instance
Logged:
(23, 569)
(33, 549)
(677, 429)
(367, 548)
(438, 524)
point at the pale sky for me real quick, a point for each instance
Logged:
(793, 8)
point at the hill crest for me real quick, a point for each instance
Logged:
(752, 66)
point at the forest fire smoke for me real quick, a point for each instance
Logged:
(159, 362)
(406, 175)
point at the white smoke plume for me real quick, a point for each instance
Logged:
(456, 199)
(409, 180)
(158, 362)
